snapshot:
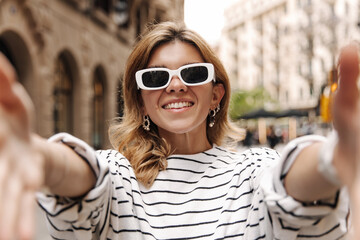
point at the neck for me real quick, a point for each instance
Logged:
(187, 143)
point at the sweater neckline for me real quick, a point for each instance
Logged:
(211, 150)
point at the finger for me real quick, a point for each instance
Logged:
(7, 78)
(15, 100)
(9, 208)
(33, 175)
(7, 69)
(23, 106)
(26, 224)
(3, 176)
(355, 205)
(32, 178)
(16, 103)
(348, 73)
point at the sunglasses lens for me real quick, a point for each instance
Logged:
(193, 75)
(154, 79)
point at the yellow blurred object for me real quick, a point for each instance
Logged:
(325, 105)
(333, 87)
(327, 95)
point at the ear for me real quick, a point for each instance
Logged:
(218, 93)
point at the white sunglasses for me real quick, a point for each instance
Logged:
(191, 75)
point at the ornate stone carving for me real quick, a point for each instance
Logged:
(32, 22)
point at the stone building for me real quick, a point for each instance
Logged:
(70, 55)
(286, 46)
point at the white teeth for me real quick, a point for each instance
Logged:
(178, 105)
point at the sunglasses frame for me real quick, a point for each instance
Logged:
(172, 73)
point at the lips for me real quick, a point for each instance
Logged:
(178, 105)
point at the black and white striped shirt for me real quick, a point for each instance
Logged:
(216, 194)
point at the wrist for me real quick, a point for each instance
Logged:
(326, 165)
(48, 151)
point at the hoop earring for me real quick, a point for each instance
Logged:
(212, 114)
(146, 123)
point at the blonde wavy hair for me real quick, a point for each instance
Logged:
(146, 150)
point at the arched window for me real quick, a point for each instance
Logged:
(15, 49)
(63, 97)
(4, 49)
(98, 132)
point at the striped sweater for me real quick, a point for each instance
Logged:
(216, 194)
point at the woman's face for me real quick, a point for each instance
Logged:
(178, 108)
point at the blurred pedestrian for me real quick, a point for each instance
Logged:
(272, 138)
(249, 137)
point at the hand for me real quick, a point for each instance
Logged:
(21, 165)
(346, 117)
(346, 113)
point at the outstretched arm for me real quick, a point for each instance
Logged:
(29, 162)
(304, 182)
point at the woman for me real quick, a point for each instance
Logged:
(169, 177)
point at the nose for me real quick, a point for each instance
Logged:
(176, 85)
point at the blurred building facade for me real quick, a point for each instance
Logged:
(286, 46)
(70, 56)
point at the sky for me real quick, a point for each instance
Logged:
(206, 17)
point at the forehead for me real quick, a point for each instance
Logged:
(174, 54)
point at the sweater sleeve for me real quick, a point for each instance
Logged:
(84, 217)
(324, 219)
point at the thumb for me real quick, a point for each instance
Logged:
(13, 97)
(7, 80)
(347, 93)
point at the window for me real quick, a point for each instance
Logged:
(63, 97)
(287, 96)
(121, 13)
(300, 69)
(98, 132)
(105, 5)
(4, 49)
(311, 87)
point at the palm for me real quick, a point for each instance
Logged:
(346, 109)
(347, 123)
(20, 165)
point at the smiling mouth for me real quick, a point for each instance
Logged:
(178, 105)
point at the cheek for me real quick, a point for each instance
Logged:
(150, 100)
(205, 95)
